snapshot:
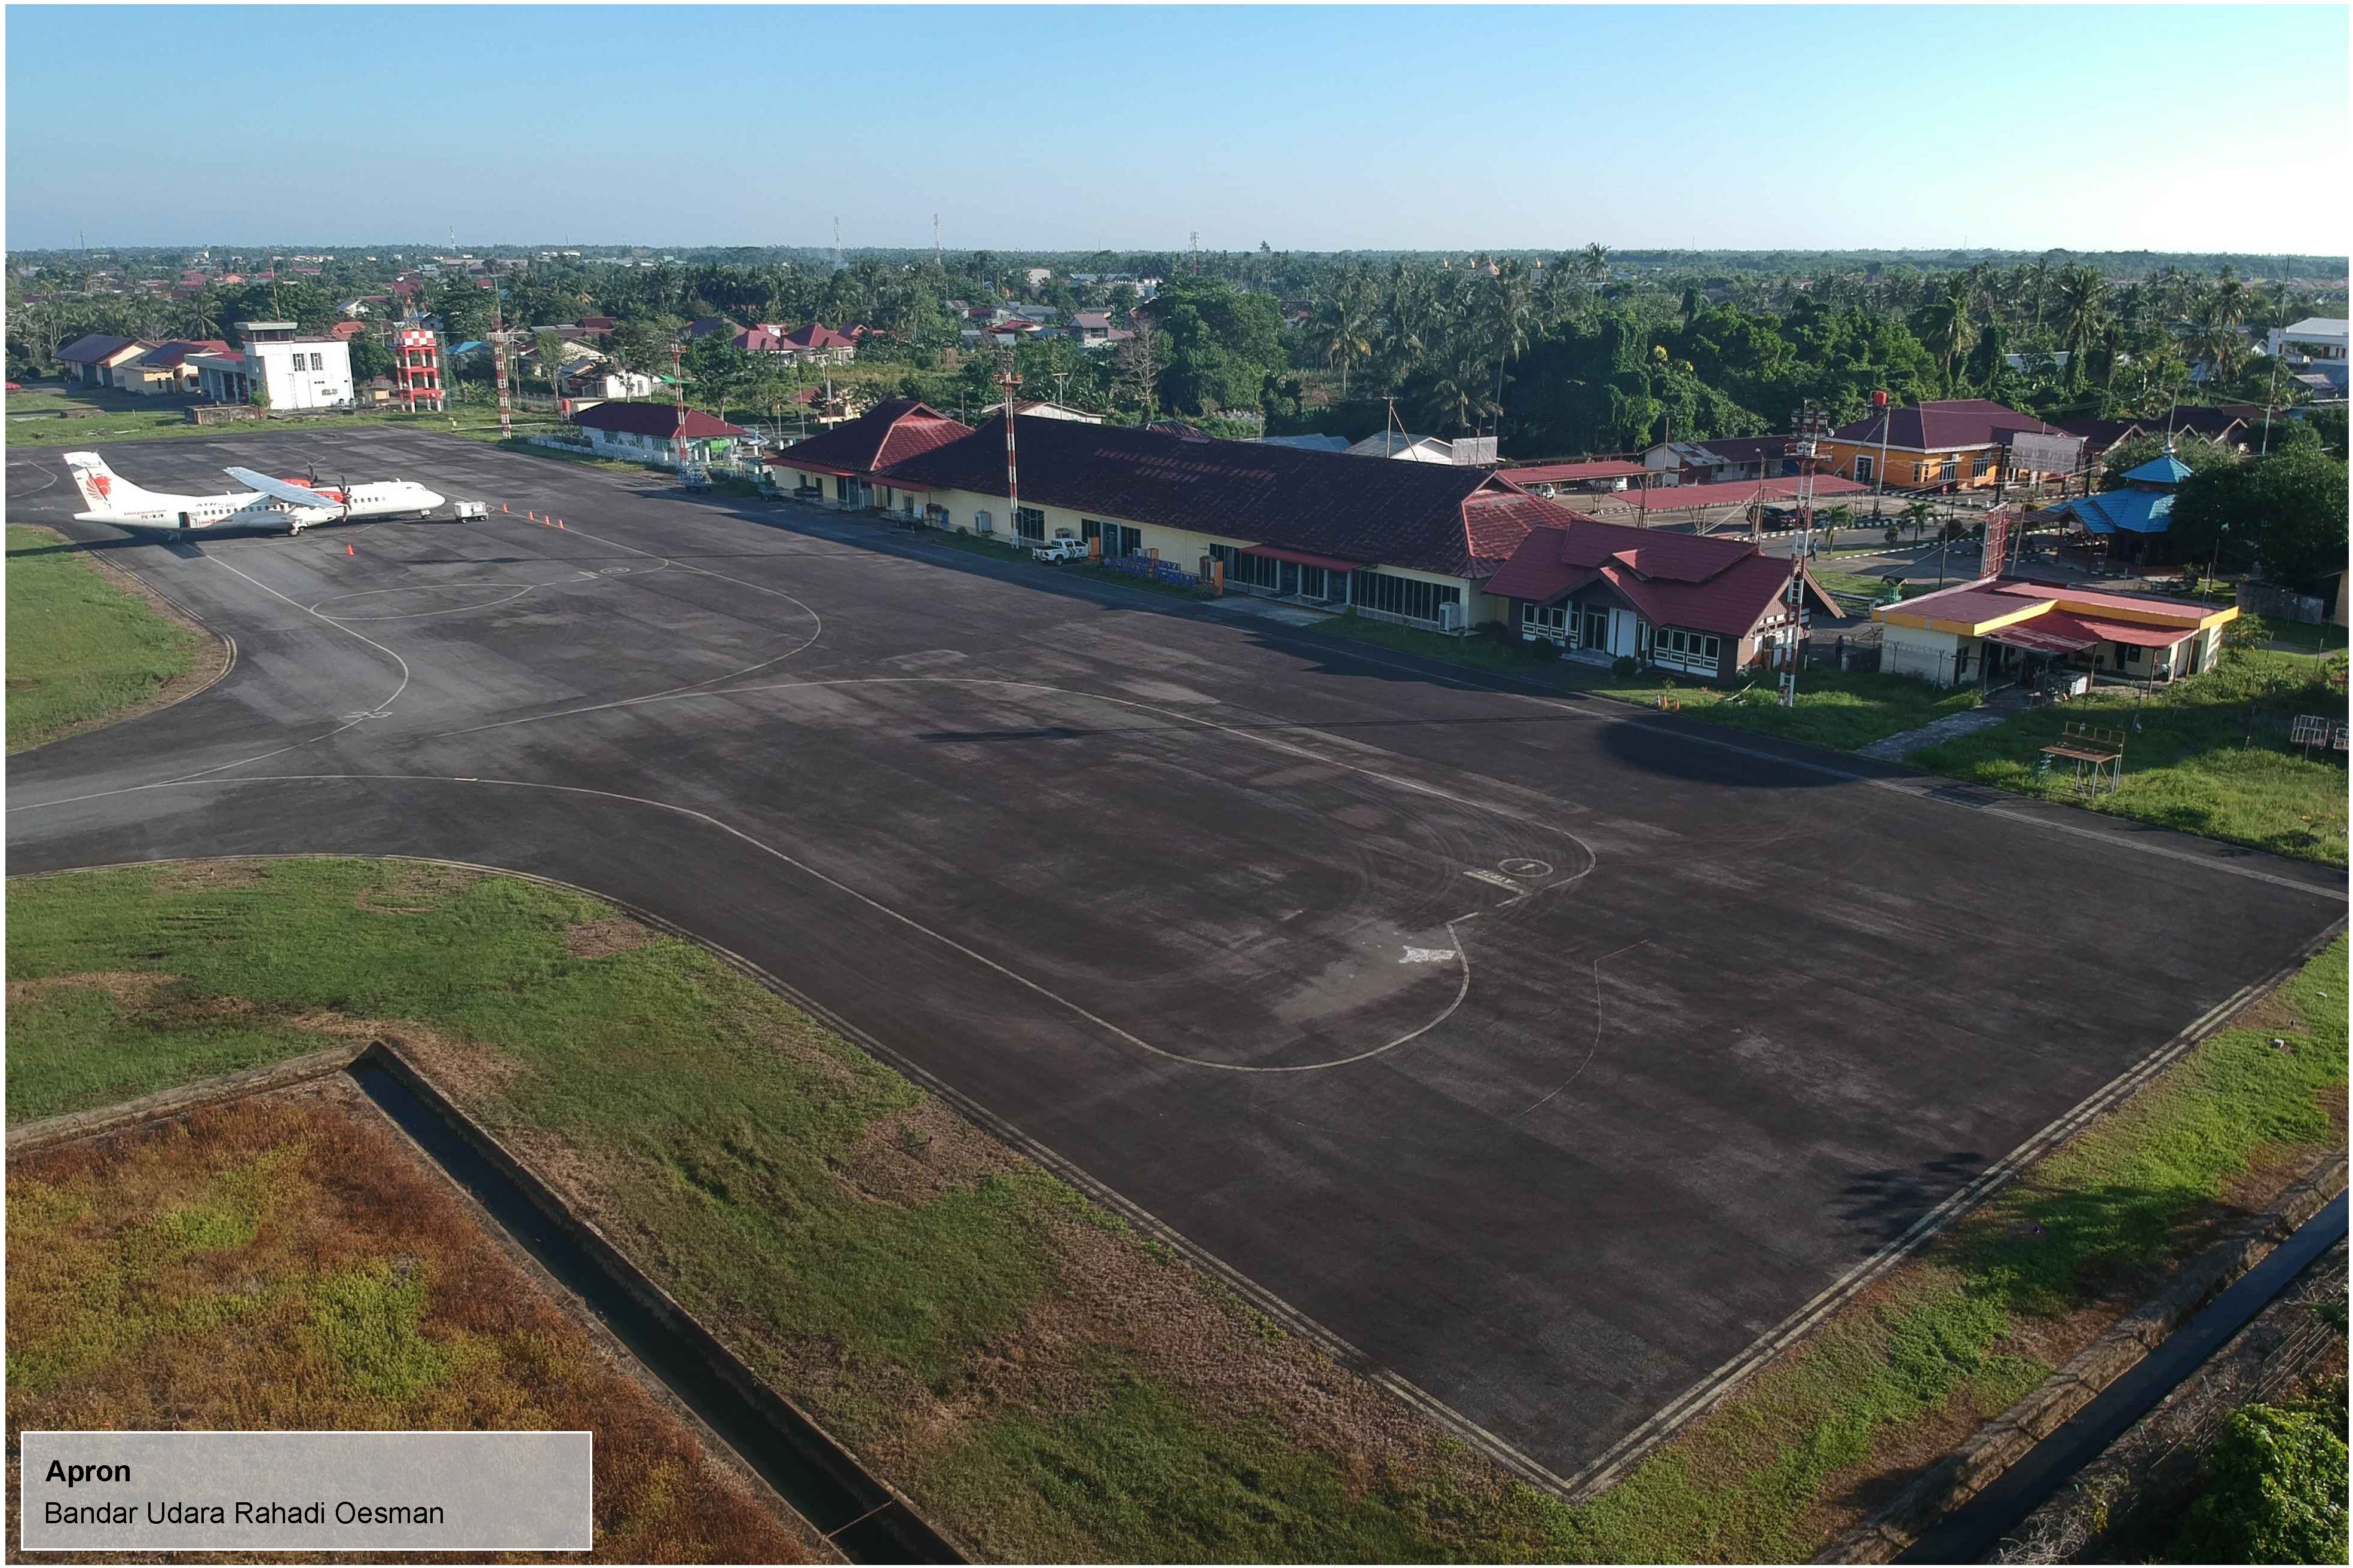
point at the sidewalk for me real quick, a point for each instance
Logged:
(1951, 727)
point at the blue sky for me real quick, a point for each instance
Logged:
(1074, 127)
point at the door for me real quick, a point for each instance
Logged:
(1287, 579)
(1597, 630)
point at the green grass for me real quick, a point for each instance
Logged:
(79, 648)
(2098, 1219)
(124, 417)
(1478, 652)
(720, 1121)
(2200, 761)
(2306, 639)
(1834, 708)
(1844, 710)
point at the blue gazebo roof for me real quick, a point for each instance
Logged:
(2162, 470)
(2122, 511)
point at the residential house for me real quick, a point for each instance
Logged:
(1720, 460)
(1956, 444)
(652, 433)
(817, 343)
(1709, 606)
(1399, 446)
(2314, 347)
(708, 327)
(1411, 542)
(1306, 443)
(89, 360)
(591, 377)
(2000, 629)
(1090, 329)
(852, 460)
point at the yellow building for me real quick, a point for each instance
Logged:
(1998, 629)
(1959, 444)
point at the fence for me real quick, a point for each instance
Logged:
(1144, 566)
(2278, 603)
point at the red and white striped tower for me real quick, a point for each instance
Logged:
(1011, 382)
(416, 354)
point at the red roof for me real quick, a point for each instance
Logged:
(1733, 491)
(654, 419)
(1430, 517)
(1562, 473)
(761, 341)
(2185, 610)
(1722, 585)
(889, 432)
(1952, 425)
(818, 335)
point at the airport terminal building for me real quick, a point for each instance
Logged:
(1411, 542)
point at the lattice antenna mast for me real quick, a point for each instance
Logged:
(1810, 447)
(500, 338)
(1007, 379)
(678, 379)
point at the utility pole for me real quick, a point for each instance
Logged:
(677, 381)
(1879, 474)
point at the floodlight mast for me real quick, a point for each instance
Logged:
(1808, 446)
(1011, 382)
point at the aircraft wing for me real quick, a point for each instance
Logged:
(281, 490)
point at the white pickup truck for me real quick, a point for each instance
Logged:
(1061, 547)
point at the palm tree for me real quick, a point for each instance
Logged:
(1593, 265)
(1950, 329)
(1918, 516)
(1344, 331)
(2082, 299)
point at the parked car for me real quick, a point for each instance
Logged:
(1061, 547)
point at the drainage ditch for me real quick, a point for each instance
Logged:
(865, 1519)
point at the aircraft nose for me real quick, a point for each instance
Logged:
(433, 499)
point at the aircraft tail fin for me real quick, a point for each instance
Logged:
(101, 486)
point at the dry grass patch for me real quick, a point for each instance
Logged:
(287, 1262)
(604, 938)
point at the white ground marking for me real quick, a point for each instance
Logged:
(1461, 991)
(1596, 1044)
(1496, 880)
(1705, 1394)
(1427, 955)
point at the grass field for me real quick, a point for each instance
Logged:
(287, 1263)
(123, 416)
(80, 650)
(2211, 755)
(1041, 1380)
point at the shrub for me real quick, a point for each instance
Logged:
(1624, 667)
(2248, 631)
(2275, 1491)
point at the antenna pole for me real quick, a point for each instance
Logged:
(1813, 425)
(678, 379)
(1010, 382)
(499, 336)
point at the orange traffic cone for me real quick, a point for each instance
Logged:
(502, 507)
(348, 550)
(559, 522)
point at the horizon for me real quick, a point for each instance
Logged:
(1269, 144)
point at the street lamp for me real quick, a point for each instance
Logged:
(2214, 560)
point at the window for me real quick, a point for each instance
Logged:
(1543, 621)
(1687, 650)
(1314, 582)
(318, 362)
(1863, 470)
(1407, 596)
(1980, 467)
(1919, 473)
(1248, 571)
(1029, 522)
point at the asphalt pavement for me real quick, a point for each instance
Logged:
(1549, 1054)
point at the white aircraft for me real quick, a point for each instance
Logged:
(291, 504)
